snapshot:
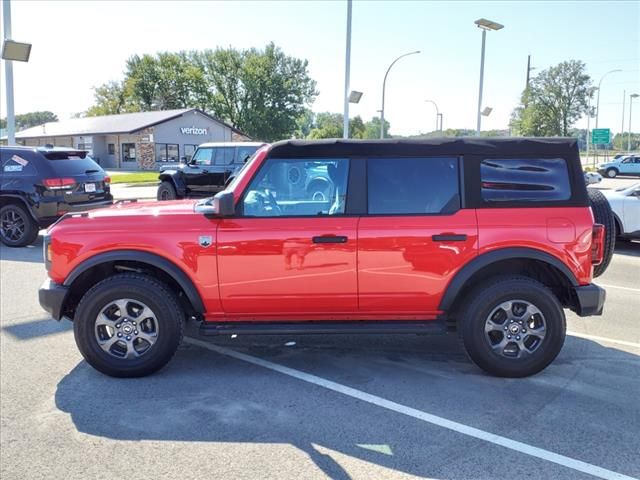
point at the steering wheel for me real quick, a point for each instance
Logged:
(272, 202)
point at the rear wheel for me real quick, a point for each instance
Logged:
(17, 227)
(128, 325)
(166, 191)
(603, 215)
(512, 327)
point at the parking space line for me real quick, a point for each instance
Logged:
(604, 339)
(515, 445)
(619, 288)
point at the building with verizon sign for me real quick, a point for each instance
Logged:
(135, 141)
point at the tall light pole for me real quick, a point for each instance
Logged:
(631, 97)
(8, 73)
(437, 112)
(485, 25)
(347, 71)
(384, 85)
(600, 85)
(590, 92)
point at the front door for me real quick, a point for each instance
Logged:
(286, 254)
(196, 172)
(414, 237)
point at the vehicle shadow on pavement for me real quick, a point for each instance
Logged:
(38, 328)
(203, 396)
(627, 248)
(31, 253)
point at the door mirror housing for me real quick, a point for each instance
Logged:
(221, 206)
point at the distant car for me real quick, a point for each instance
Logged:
(592, 177)
(625, 203)
(627, 165)
(40, 184)
(207, 172)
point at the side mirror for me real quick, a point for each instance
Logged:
(222, 205)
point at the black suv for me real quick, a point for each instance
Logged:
(207, 172)
(40, 184)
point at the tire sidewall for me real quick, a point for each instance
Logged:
(478, 347)
(612, 173)
(159, 301)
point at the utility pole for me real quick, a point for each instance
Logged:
(624, 100)
(8, 72)
(526, 87)
(347, 71)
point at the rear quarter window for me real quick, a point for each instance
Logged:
(17, 164)
(524, 180)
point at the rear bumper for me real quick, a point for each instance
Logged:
(52, 297)
(589, 300)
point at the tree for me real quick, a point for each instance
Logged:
(31, 119)
(372, 128)
(262, 92)
(554, 101)
(330, 125)
(112, 98)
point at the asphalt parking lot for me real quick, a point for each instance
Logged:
(362, 407)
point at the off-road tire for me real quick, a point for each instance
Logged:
(151, 292)
(483, 299)
(30, 227)
(166, 191)
(603, 214)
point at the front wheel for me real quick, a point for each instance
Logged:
(128, 325)
(166, 191)
(612, 172)
(512, 327)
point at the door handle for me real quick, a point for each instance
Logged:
(449, 238)
(330, 239)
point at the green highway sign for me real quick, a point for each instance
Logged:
(600, 136)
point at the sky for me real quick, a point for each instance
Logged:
(81, 44)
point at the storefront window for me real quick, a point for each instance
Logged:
(128, 152)
(167, 152)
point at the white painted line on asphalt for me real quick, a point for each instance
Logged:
(420, 415)
(604, 339)
(620, 288)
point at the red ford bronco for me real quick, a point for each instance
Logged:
(489, 237)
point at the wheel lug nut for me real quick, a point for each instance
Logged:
(508, 336)
(520, 322)
(133, 323)
(517, 337)
(117, 325)
(119, 334)
(524, 330)
(135, 332)
(128, 337)
(506, 328)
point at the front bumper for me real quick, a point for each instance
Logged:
(52, 297)
(589, 300)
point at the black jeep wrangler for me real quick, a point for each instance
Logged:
(207, 172)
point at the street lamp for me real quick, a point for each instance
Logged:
(11, 51)
(631, 97)
(438, 115)
(485, 25)
(384, 84)
(347, 71)
(599, 85)
(590, 93)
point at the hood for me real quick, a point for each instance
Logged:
(145, 209)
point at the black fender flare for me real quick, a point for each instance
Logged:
(174, 177)
(157, 261)
(465, 273)
(24, 201)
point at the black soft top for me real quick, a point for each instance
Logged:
(482, 146)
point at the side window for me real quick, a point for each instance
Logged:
(628, 160)
(524, 180)
(418, 186)
(244, 153)
(297, 187)
(224, 155)
(203, 156)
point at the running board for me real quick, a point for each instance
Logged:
(323, 328)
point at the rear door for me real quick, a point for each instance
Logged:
(415, 235)
(286, 255)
